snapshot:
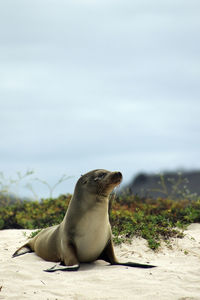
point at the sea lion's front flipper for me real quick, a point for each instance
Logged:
(61, 267)
(109, 256)
(69, 262)
(134, 265)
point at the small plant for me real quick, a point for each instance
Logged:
(32, 234)
(178, 188)
(51, 189)
(9, 187)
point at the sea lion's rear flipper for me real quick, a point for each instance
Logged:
(61, 267)
(22, 250)
(109, 256)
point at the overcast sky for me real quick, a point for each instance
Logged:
(91, 84)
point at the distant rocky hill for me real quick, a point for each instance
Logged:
(174, 184)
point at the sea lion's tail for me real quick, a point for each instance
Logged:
(23, 250)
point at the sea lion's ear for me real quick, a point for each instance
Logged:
(83, 180)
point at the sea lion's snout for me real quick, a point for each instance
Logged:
(117, 177)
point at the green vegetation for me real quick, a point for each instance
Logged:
(154, 220)
(34, 214)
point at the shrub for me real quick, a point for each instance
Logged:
(34, 214)
(129, 216)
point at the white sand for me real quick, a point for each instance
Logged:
(176, 277)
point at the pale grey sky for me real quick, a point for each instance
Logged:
(99, 84)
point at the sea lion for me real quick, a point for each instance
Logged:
(85, 234)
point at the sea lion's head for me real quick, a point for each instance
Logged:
(99, 182)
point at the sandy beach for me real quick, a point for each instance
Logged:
(177, 275)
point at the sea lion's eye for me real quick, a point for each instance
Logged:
(100, 176)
